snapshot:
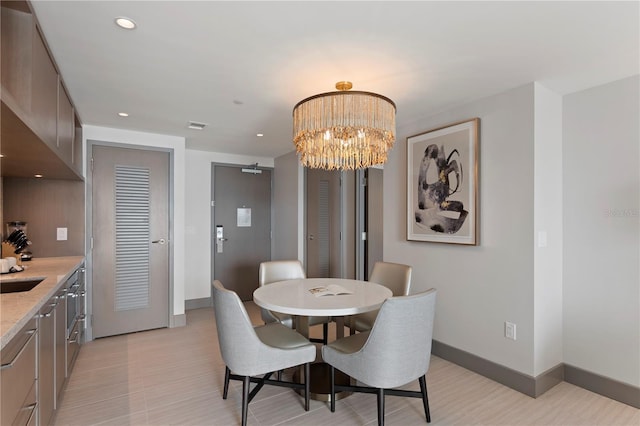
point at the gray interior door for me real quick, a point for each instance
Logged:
(130, 230)
(374, 218)
(241, 226)
(323, 224)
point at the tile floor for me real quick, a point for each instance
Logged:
(175, 376)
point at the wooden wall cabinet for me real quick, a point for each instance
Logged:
(35, 105)
(44, 93)
(66, 126)
(78, 152)
(17, 46)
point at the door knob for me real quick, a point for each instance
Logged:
(160, 241)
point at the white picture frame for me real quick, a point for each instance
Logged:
(442, 184)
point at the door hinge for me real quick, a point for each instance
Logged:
(213, 203)
(364, 181)
(91, 162)
(91, 243)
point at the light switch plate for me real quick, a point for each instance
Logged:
(510, 330)
(542, 238)
(61, 234)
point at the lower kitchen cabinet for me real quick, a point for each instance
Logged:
(52, 356)
(18, 378)
(37, 361)
(60, 348)
(46, 361)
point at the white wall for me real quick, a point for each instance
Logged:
(479, 288)
(547, 225)
(191, 208)
(177, 147)
(288, 208)
(567, 166)
(197, 191)
(601, 164)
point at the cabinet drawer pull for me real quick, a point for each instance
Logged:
(48, 314)
(74, 339)
(32, 332)
(32, 408)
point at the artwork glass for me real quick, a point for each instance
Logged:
(442, 184)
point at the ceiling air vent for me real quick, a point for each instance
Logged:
(196, 126)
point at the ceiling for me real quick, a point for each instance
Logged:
(240, 67)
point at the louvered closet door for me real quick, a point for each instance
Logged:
(130, 232)
(323, 224)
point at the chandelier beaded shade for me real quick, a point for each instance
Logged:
(344, 130)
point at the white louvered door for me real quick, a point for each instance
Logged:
(130, 229)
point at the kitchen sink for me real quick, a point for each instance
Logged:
(18, 286)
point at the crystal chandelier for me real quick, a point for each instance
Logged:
(344, 130)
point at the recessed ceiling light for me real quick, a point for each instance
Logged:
(126, 23)
(123, 114)
(38, 176)
(259, 135)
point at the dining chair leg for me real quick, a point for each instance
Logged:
(380, 407)
(225, 392)
(325, 333)
(425, 398)
(307, 390)
(245, 399)
(332, 381)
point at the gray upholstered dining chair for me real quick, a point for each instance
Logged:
(394, 352)
(281, 270)
(249, 352)
(396, 277)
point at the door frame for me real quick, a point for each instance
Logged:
(89, 228)
(212, 237)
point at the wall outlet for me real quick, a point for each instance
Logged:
(510, 330)
(61, 234)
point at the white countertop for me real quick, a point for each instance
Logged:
(18, 308)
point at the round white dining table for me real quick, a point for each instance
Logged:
(293, 297)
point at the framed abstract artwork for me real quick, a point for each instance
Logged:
(442, 184)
